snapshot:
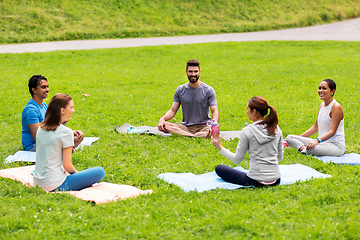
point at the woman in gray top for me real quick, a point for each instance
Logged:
(263, 139)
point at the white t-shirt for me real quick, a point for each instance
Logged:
(49, 170)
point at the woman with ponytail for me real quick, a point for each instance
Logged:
(329, 124)
(263, 139)
(54, 144)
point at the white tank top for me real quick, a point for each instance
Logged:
(324, 121)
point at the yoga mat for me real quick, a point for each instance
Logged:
(349, 159)
(27, 156)
(19, 156)
(227, 135)
(87, 141)
(190, 182)
(99, 193)
(152, 130)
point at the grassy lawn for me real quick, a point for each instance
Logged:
(136, 85)
(54, 20)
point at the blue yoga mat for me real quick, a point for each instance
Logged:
(207, 181)
(350, 159)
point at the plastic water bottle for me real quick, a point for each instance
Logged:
(215, 131)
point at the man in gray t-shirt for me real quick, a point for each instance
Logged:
(196, 98)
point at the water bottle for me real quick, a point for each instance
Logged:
(215, 131)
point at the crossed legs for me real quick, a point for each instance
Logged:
(322, 149)
(237, 177)
(83, 179)
(189, 131)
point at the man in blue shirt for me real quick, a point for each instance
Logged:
(34, 113)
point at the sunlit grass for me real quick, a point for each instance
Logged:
(136, 85)
(53, 20)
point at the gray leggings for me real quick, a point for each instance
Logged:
(334, 149)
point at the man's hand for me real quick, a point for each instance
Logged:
(168, 115)
(78, 137)
(161, 125)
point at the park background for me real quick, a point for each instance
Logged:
(136, 85)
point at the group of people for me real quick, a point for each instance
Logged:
(45, 131)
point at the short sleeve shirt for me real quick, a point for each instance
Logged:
(49, 170)
(195, 103)
(32, 113)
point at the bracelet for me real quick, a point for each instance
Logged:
(318, 139)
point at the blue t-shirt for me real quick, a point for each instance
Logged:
(32, 113)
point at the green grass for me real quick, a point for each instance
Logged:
(54, 20)
(136, 85)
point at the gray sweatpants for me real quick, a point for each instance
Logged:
(322, 149)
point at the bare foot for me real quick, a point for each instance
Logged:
(303, 147)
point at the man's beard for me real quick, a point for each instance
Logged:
(193, 81)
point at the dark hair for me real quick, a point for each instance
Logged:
(34, 81)
(193, 62)
(53, 113)
(330, 83)
(262, 106)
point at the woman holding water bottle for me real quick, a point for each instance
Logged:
(264, 142)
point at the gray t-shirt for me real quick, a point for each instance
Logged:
(195, 103)
(49, 170)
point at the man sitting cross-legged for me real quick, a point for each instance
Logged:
(195, 97)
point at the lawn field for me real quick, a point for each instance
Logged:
(136, 85)
(58, 20)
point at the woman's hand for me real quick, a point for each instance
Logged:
(216, 142)
(78, 137)
(311, 145)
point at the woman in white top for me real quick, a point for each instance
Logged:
(329, 124)
(54, 144)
